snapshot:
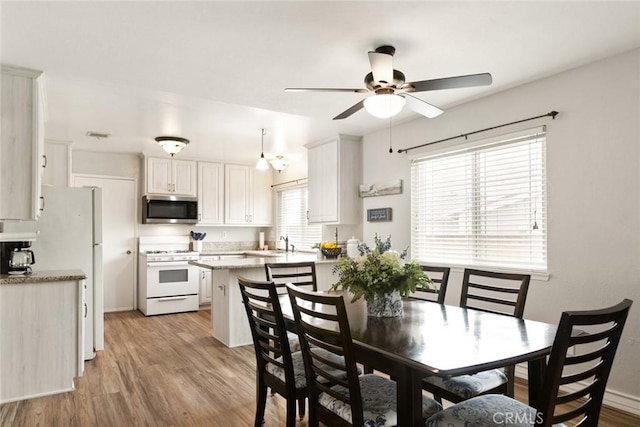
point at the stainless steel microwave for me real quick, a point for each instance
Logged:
(169, 210)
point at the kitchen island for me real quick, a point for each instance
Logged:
(41, 333)
(228, 316)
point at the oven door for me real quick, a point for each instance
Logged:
(171, 278)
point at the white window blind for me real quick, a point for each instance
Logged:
(292, 219)
(482, 206)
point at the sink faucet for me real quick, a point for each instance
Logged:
(286, 242)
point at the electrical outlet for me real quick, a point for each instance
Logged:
(224, 234)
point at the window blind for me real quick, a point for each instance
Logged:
(292, 219)
(482, 206)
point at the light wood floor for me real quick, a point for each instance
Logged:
(169, 371)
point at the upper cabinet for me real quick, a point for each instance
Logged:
(210, 193)
(171, 176)
(248, 199)
(334, 175)
(21, 143)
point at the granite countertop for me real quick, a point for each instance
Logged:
(256, 261)
(42, 276)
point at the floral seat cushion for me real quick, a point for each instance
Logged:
(468, 386)
(491, 410)
(298, 366)
(378, 401)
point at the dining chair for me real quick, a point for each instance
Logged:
(593, 338)
(346, 399)
(438, 275)
(500, 293)
(276, 366)
(300, 273)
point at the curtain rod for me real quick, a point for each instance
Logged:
(289, 182)
(552, 114)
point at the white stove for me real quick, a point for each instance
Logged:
(167, 283)
(171, 255)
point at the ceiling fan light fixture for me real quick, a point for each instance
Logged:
(384, 106)
(172, 144)
(279, 163)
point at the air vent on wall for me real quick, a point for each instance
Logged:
(98, 135)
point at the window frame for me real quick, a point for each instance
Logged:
(302, 247)
(485, 145)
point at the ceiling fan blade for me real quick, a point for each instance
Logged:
(311, 89)
(381, 66)
(421, 107)
(470, 80)
(359, 106)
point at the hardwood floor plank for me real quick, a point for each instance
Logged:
(170, 371)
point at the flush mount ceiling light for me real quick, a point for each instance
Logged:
(262, 162)
(384, 105)
(172, 144)
(279, 163)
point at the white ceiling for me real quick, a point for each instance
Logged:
(214, 72)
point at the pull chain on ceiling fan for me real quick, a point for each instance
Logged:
(392, 92)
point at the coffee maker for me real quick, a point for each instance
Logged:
(15, 258)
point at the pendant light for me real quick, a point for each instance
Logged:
(262, 162)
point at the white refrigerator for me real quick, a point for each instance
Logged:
(70, 237)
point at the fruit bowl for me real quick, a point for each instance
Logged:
(331, 252)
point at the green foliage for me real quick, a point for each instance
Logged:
(379, 271)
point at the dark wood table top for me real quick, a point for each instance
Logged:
(434, 339)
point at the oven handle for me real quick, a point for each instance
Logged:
(170, 298)
(168, 264)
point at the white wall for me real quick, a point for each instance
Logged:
(593, 164)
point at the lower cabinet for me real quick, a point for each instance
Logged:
(41, 338)
(205, 287)
(228, 315)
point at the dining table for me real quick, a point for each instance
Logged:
(442, 340)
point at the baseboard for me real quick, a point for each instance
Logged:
(612, 398)
(36, 395)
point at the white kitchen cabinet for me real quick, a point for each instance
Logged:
(41, 338)
(334, 176)
(247, 196)
(21, 143)
(57, 156)
(171, 176)
(210, 193)
(228, 315)
(205, 287)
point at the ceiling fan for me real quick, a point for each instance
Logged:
(392, 92)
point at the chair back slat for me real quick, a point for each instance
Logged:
(321, 320)
(299, 273)
(439, 276)
(594, 343)
(494, 292)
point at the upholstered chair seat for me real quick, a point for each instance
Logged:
(378, 402)
(490, 410)
(298, 366)
(468, 386)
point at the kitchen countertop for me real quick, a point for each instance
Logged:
(256, 261)
(42, 276)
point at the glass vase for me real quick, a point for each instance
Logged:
(387, 305)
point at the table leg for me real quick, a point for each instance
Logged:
(536, 377)
(409, 398)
